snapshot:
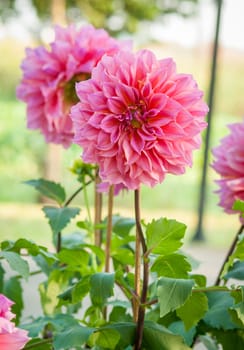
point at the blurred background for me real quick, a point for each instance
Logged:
(182, 29)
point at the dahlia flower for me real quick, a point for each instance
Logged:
(138, 119)
(11, 337)
(49, 76)
(229, 164)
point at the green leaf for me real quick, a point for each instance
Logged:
(32, 248)
(238, 294)
(238, 206)
(49, 290)
(209, 342)
(16, 263)
(81, 289)
(35, 327)
(122, 226)
(231, 339)
(102, 285)
(48, 189)
(75, 259)
(71, 337)
(126, 280)
(59, 217)
(173, 265)
(44, 263)
(172, 293)
(13, 290)
(238, 254)
(119, 314)
(178, 327)
(85, 225)
(60, 322)
(105, 338)
(237, 314)
(94, 249)
(93, 316)
(126, 331)
(164, 236)
(157, 337)
(2, 272)
(124, 256)
(200, 280)
(73, 240)
(76, 293)
(218, 316)
(236, 271)
(40, 344)
(193, 310)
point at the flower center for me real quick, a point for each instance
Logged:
(134, 115)
(70, 96)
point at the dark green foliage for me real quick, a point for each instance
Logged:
(85, 307)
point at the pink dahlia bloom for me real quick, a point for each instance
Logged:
(138, 119)
(229, 164)
(11, 337)
(49, 76)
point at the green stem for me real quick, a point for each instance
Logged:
(109, 228)
(109, 235)
(76, 193)
(136, 301)
(98, 213)
(33, 273)
(143, 298)
(87, 203)
(69, 200)
(59, 242)
(231, 250)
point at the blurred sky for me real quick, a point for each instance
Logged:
(187, 32)
(200, 29)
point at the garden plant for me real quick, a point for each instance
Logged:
(120, 282)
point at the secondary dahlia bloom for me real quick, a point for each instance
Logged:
(138, 119)
(11, 337)
(49, 76)
(229, 164)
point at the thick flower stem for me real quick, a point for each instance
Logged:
(143, 298)
(59, 242)
(98, 213)
(137, 276)
(231, 250)
(109, 236)
(109, 228)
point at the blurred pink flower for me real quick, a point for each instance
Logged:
(138, 119)
(11, 337)
(229, 164)
(49, 76)
(5, 305)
